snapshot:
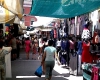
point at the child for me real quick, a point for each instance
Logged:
(2, 61)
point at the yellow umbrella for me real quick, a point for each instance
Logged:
(14, 6)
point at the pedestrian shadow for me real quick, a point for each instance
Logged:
(65, 67)
(78, 74)
(63, 74)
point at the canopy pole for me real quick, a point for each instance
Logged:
(4, 28)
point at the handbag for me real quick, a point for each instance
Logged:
(38, 71)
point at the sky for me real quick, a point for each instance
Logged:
(42, 21)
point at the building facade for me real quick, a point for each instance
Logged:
(28, 19)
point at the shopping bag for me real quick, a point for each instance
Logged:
(38, 71)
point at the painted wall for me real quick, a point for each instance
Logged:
(27, 18)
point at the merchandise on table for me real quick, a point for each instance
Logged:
(91, 72)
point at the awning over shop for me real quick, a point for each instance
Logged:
(10, 10)
(63, 8)
(14, 6)
(22, 25)
(6, 16)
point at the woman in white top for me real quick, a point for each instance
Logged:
(40, 46)
(49, 58)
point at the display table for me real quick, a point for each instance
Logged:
(88, 71)
(8, 63)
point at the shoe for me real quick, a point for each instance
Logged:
(75, 73)
(67, 67)
(71, 73)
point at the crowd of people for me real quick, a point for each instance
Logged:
(49, 48)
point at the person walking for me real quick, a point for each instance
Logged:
(58, 45)
(72, 45)
(27, 47)
(68, 51)
(34, 48)
(40, 46)
(3, 52)
(18, 47)
(49, 57)
(45, 45)
(13, 44)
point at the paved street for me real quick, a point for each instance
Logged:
(23, 69)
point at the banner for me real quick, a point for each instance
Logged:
(63, 8)
(14, 6)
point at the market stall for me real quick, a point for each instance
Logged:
(70, 9)
(9, 11)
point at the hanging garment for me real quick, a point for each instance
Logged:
(55, 33)
(68, 51)
(86, 56)
(63, 45)
(78, 29)
(79, 19)
(51, 33)
(86, 34)
(67, 45)
(79, 63)
(59, 34)
(73, 65)
(93, 39)
(63, 33)
(72, 44)
(66, 26)
(73, 21)
(79, 46)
